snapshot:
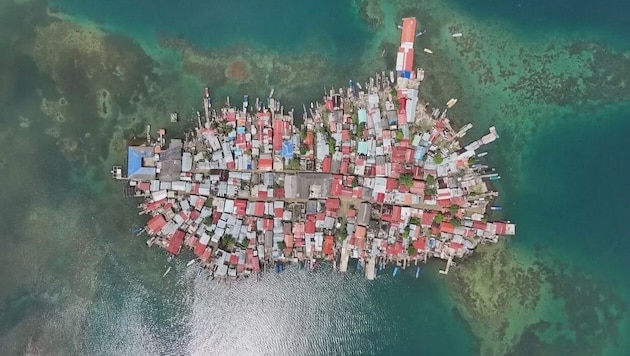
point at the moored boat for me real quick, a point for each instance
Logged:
(418, 269)
(495, 207)
(395, 272)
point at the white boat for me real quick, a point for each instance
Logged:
(458, 34)
(451, 102)
(482, 154)
(359, 86)
(428, 51)
(271, 92)
(391, 76)
(399, 27)
(167, 270)
(190, 263)
(420, 74)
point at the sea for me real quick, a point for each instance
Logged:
(78, 78)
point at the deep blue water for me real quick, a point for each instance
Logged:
(607, 15)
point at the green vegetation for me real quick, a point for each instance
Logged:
(453, 209)
(303, 150)
(360, 129)
(430, 191)
(430, 180)
(406, 179)
(244, 243)
(355, 182)
(411, 250)
(281, 245)
(303, 134)
(415, 221)
(456, 222)
(355, 118)
(227, 242)
(399, 135)
(471, 160)
(439, 218)
(394, 93)
(406, 232)
(342, 233)
(331, 145)
(438, 159)
(294, 164)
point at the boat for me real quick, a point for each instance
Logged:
(391, 76)
(395, 272)
(167, 270)
(190, 263)
(245, 101)
(358, 264)
(428, 51)
(399, 27)
(495, 207)
(350, 84)
(137, 230)
(271, 93)
(495, 178)
(451, 102)
(174, 117)
(359, 86)
(207, 92)
(199, 270)
(418, 271)
(420, 74)
(421, 33)
(482, 154)
(458, 34)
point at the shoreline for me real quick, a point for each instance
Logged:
(369, 174)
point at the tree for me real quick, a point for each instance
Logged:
(411, 251)
(453, 209)
(439, 218)
(438, 159)
(471, 160)
(281, 245)
(355, 182)
(430, 180)
(415, 221)
(360, 129)
(399, 135)
(294, 164)
(331, 146)
(303, 150)
(456, 222)
(406, 179)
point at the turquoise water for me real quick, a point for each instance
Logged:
(75, 282)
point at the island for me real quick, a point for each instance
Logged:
(369, 174)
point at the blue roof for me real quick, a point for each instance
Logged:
(134, 161)
(287, 149)
(420, 152)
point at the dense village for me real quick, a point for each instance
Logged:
(368, 175)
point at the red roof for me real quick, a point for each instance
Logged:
(278, 212)
(328, 244)
(240, 207)
(501, 227)
(144, 186)
(233, 259)
(428, 217)
(259, 208)
(156, 223)
(176, 241)
(326, 164)
(447, 227)
(398, 248)
(420, 244)
(265, 164)
(199, 248)
(479, 225)
(309, 228)
(267, 224)
(456, 245)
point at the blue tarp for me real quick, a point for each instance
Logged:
(287, 149)
(420, 152)
(407, 74)
(134, 161)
